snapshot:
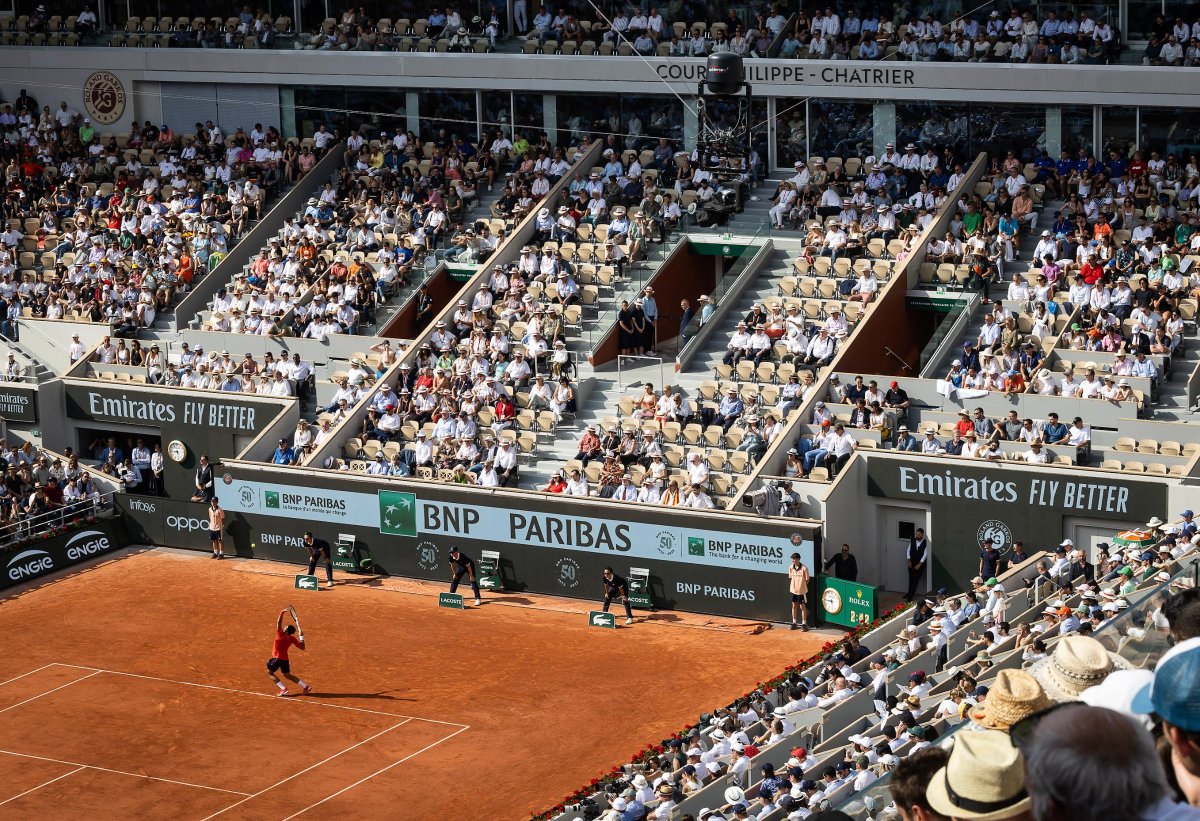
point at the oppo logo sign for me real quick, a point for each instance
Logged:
(186, 524)
(87, 543)
(28, 564)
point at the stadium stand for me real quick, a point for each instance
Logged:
(1081, 35)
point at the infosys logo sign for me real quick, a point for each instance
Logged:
(87, 543)
(29, 563)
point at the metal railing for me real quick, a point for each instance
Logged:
(733, 281)
(61, 518)
(947, 333)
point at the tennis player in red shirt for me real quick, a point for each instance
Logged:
(285, 639)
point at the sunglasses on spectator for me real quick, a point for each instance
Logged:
(1021, 732)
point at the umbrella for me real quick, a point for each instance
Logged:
(1136, 538)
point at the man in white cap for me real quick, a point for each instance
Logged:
(76, 350)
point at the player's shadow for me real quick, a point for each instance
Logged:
(375, 696)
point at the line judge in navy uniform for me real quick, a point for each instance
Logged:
(614, 586)
(463, 565)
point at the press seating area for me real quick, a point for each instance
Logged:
(153, 32)
(15, 31)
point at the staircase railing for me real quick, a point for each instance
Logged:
(947, 333)
(725, 294)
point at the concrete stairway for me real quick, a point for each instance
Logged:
(754, 214)
(1171, 404)
(557, 446)
(610, 386)
(1027, 241)
(764, 286)
(385, 312)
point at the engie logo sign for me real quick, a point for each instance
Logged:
(87, 543)
(56, 553)
(29, 563)
(37, 561)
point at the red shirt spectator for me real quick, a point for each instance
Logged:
(1091, 271)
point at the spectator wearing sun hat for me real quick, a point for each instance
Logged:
(1077, 663)
(665, 792)
(1014, 695)
(983, 780)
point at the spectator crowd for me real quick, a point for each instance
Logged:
(116, 228)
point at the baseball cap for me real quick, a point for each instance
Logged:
(1175, 692)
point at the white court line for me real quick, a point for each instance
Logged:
(306, 769)
(461, 729)
(48, 692)
(30, 673)
(271, 696)
(122, 772)
(45, 784)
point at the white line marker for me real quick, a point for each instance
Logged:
(30, 673)
(48, 692)
(45, 784)
(271, 696)
(122, 772)
(464, 728)
(306, 769)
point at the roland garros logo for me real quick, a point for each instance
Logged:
(104, 97)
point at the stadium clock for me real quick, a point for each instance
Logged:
(177, 450)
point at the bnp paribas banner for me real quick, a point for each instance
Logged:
(398, 513)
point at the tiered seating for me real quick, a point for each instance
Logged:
(59, 244)
(838, 730)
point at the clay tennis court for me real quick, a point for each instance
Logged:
(136, 687)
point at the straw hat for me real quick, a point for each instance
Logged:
(1015, 695)
(983, 780)
(1078, 662)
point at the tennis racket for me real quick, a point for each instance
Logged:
(295, 620)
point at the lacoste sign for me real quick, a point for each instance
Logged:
(598, 618)
(304, 582)
(452, 600)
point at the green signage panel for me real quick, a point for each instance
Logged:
(847, 603)
(397, 513)
(933, 301)
(639, 593)
(719, 248)
(452, 600)
(344, 558)
(598, 618)
(304, 582)
(489, 574)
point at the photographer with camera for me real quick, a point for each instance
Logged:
(774, 499)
